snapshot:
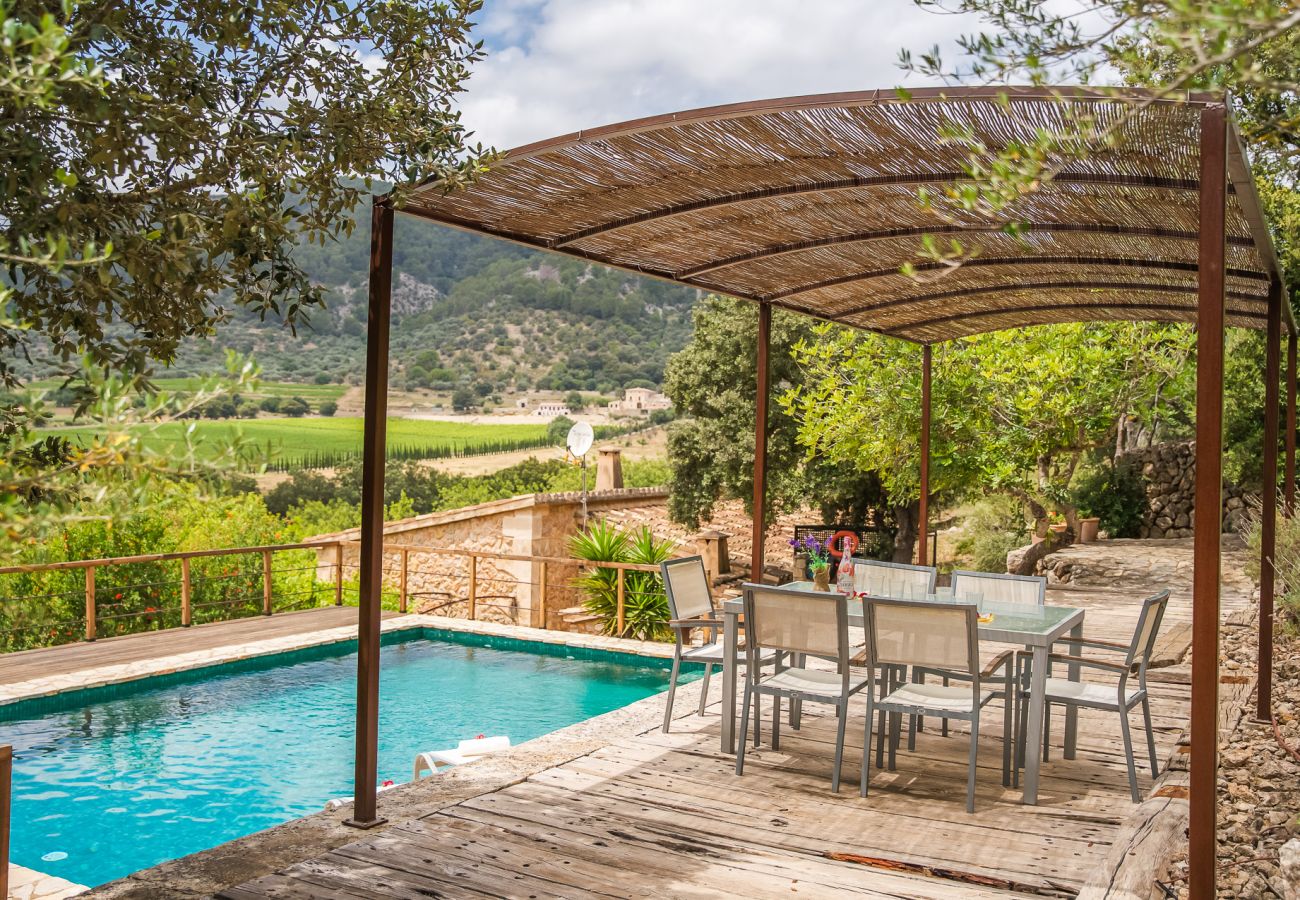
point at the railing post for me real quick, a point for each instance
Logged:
(187, 609)
(338, 574)
(401, 597)
(473, 586)
(621, 611)
(6, 790)
(90, 603)
(266, 582)
(539, 617)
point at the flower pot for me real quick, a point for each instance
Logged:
(822, 579)
(1088, 529)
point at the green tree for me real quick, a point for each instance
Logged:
(463, 399)
(575, 401)
(558, 430)
(294, 407)
(166, 158)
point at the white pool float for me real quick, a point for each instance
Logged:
(466, 751)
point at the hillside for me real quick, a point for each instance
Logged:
(469, 311)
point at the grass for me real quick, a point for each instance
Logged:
(312, 393)
(293, 439)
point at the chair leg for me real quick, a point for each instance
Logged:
(1151, 737)
(1008, 713)
(895, 730)
(704, 690)
(943, 723)
(913, 721)
(672, 691)
(1047, 729)
(882, 730)
(776, 721)
(796, 705)
(865, 776)
(843, 717)
(758, 719)
(974, 760)
(1128, 757)
(744, 719)
(1022, 739)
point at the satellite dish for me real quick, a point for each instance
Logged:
(579, 439)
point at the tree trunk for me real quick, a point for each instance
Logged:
(906, 518)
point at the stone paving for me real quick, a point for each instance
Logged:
(1144, 565)
(26, 884)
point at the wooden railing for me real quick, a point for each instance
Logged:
(263, 587)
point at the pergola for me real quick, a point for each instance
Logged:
(809, 204)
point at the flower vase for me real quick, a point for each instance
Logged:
(822, 579)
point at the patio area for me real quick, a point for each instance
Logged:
(653, 814)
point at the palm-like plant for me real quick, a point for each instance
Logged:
(645, 606)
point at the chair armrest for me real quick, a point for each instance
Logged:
(1002, 659)
(695, 623)
(1090, 642)
(1090, 663)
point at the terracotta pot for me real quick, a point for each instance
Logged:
(822, 579)
(1058, 529)
(1088, 529)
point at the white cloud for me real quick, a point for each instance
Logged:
(556, 66)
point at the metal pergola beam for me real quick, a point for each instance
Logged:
(1208, 503)
(1268, 508)
(762, 390)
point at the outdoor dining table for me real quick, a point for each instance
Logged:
(1035, 628)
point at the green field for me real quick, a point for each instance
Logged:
(301, 440)
(312, 393)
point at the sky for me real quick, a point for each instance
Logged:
(555, 66)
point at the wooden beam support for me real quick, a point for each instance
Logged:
(374, 436)
(1268, 506)
(923, 514)
(1202, 849)
(760, 442)
(1288, 485)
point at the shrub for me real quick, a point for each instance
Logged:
(993, 528)
(329, 408)
(322, 378)
(295, 407)
(270, 404)
(1116, 495)
(645, 605)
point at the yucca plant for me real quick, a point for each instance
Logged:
(645, 606)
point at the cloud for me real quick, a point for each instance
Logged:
(556, 66)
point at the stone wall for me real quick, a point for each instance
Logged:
(1169, 473)
(507, 591)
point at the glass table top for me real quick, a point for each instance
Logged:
(1007, 618)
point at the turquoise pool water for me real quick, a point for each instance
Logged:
(107, 782)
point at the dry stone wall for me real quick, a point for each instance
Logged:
(1169, 474)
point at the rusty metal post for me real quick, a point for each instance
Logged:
(1268, 507)
(1201, 850)
(1288, 484)
(760, 444)
(539, 616)
(401, 590)
(266, 582)
(364, 814)
(473, 587)
(923, 514)
(6, 792)
(187, 603)
(338, 574)
(90, 603)
(622, 606)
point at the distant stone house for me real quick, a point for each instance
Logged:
(552, 410)
(640, 400)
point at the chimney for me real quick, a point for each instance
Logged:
(712, 545)
(609, 469)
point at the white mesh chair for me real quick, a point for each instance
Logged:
(690, 603)
(887, 579)
(937, 637)
(803, 624)
(992, 587)
(1120, 697)
(995, 588)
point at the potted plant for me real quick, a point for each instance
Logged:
(819, 559)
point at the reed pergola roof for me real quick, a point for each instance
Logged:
(810, 204)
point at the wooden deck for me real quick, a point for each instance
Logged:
(665, 815)
(69, 658)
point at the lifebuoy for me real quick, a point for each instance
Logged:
(837, 540)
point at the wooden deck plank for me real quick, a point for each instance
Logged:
(68, 658)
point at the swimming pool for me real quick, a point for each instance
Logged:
(109, 781)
